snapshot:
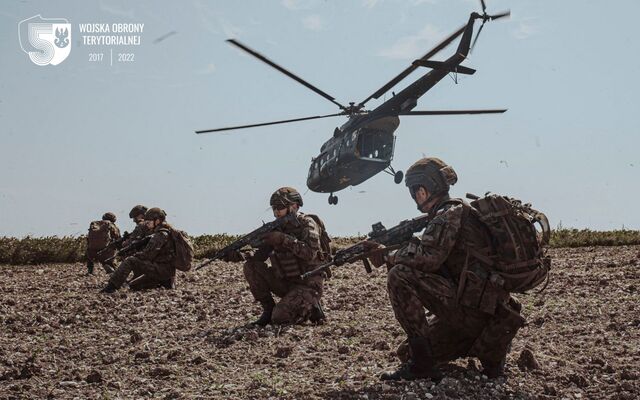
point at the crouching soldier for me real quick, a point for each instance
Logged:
(471, 318)
(101, 234)
(294, 250)
(155, 264)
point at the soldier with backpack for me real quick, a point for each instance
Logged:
(155, 264)
(101, 234)
(459, 270)
(293, 250)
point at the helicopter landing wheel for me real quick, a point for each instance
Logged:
(333, 200)
(397, 177)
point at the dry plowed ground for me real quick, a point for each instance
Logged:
(60, 338)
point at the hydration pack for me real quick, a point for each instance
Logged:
(184, 250)
(519, 257)
(99, 235)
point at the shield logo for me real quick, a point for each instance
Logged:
(45, 40)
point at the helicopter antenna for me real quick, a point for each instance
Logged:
(284, 71)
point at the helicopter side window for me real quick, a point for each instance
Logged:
(375, 144)
(324, 160)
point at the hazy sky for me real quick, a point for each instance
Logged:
(85, 137)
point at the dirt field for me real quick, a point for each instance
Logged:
(60, 338)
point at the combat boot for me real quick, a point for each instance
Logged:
(169, 283)
(267, 310)
(90, 268)
(421, 365)
(493, 369)
(110, 288)
(317, 314)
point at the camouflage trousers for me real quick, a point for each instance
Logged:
(109, 267)
(297, 297)
(452, 330)
(154, 274)
(93, 257)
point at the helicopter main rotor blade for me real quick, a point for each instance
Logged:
(268, 123)
(412, 68)
(284, 71)
(455, 112)
(501, 15)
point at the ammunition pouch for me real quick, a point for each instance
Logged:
(287, 265)
(480, 289)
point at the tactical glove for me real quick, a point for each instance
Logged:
(377, 259)
(274, 239)
(233, 256)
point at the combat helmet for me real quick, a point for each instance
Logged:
(284, 197)
(431, 173)
(137, 210)
(155, 213)
(109, 216)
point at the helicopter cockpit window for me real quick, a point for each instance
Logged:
(375, 145)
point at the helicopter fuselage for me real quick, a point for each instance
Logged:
(358, 150)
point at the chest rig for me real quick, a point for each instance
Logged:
(284, 260)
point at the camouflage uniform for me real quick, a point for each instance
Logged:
(93, 256)
(299, 253)
(139, 232)
(155, 261)
(471, 316)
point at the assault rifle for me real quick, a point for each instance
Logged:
(253, 239)
(392, 239)
(116, 244)
(130, 249)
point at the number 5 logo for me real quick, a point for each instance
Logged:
(45, 40)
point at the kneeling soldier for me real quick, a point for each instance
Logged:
(294, 250)
(431, 273)
(156, 261)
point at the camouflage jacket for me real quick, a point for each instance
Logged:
(114, 234)
(138, 233)
(114, 230)
(300, 251)
(160, 249)
(444, 242)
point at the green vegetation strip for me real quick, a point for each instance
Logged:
(67, 249)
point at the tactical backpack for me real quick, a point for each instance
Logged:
(99, 235)
(519, 249)
(325, 240)
(184, 250)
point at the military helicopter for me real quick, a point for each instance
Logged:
(364, 145)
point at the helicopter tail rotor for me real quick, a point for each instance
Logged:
(486, 17)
